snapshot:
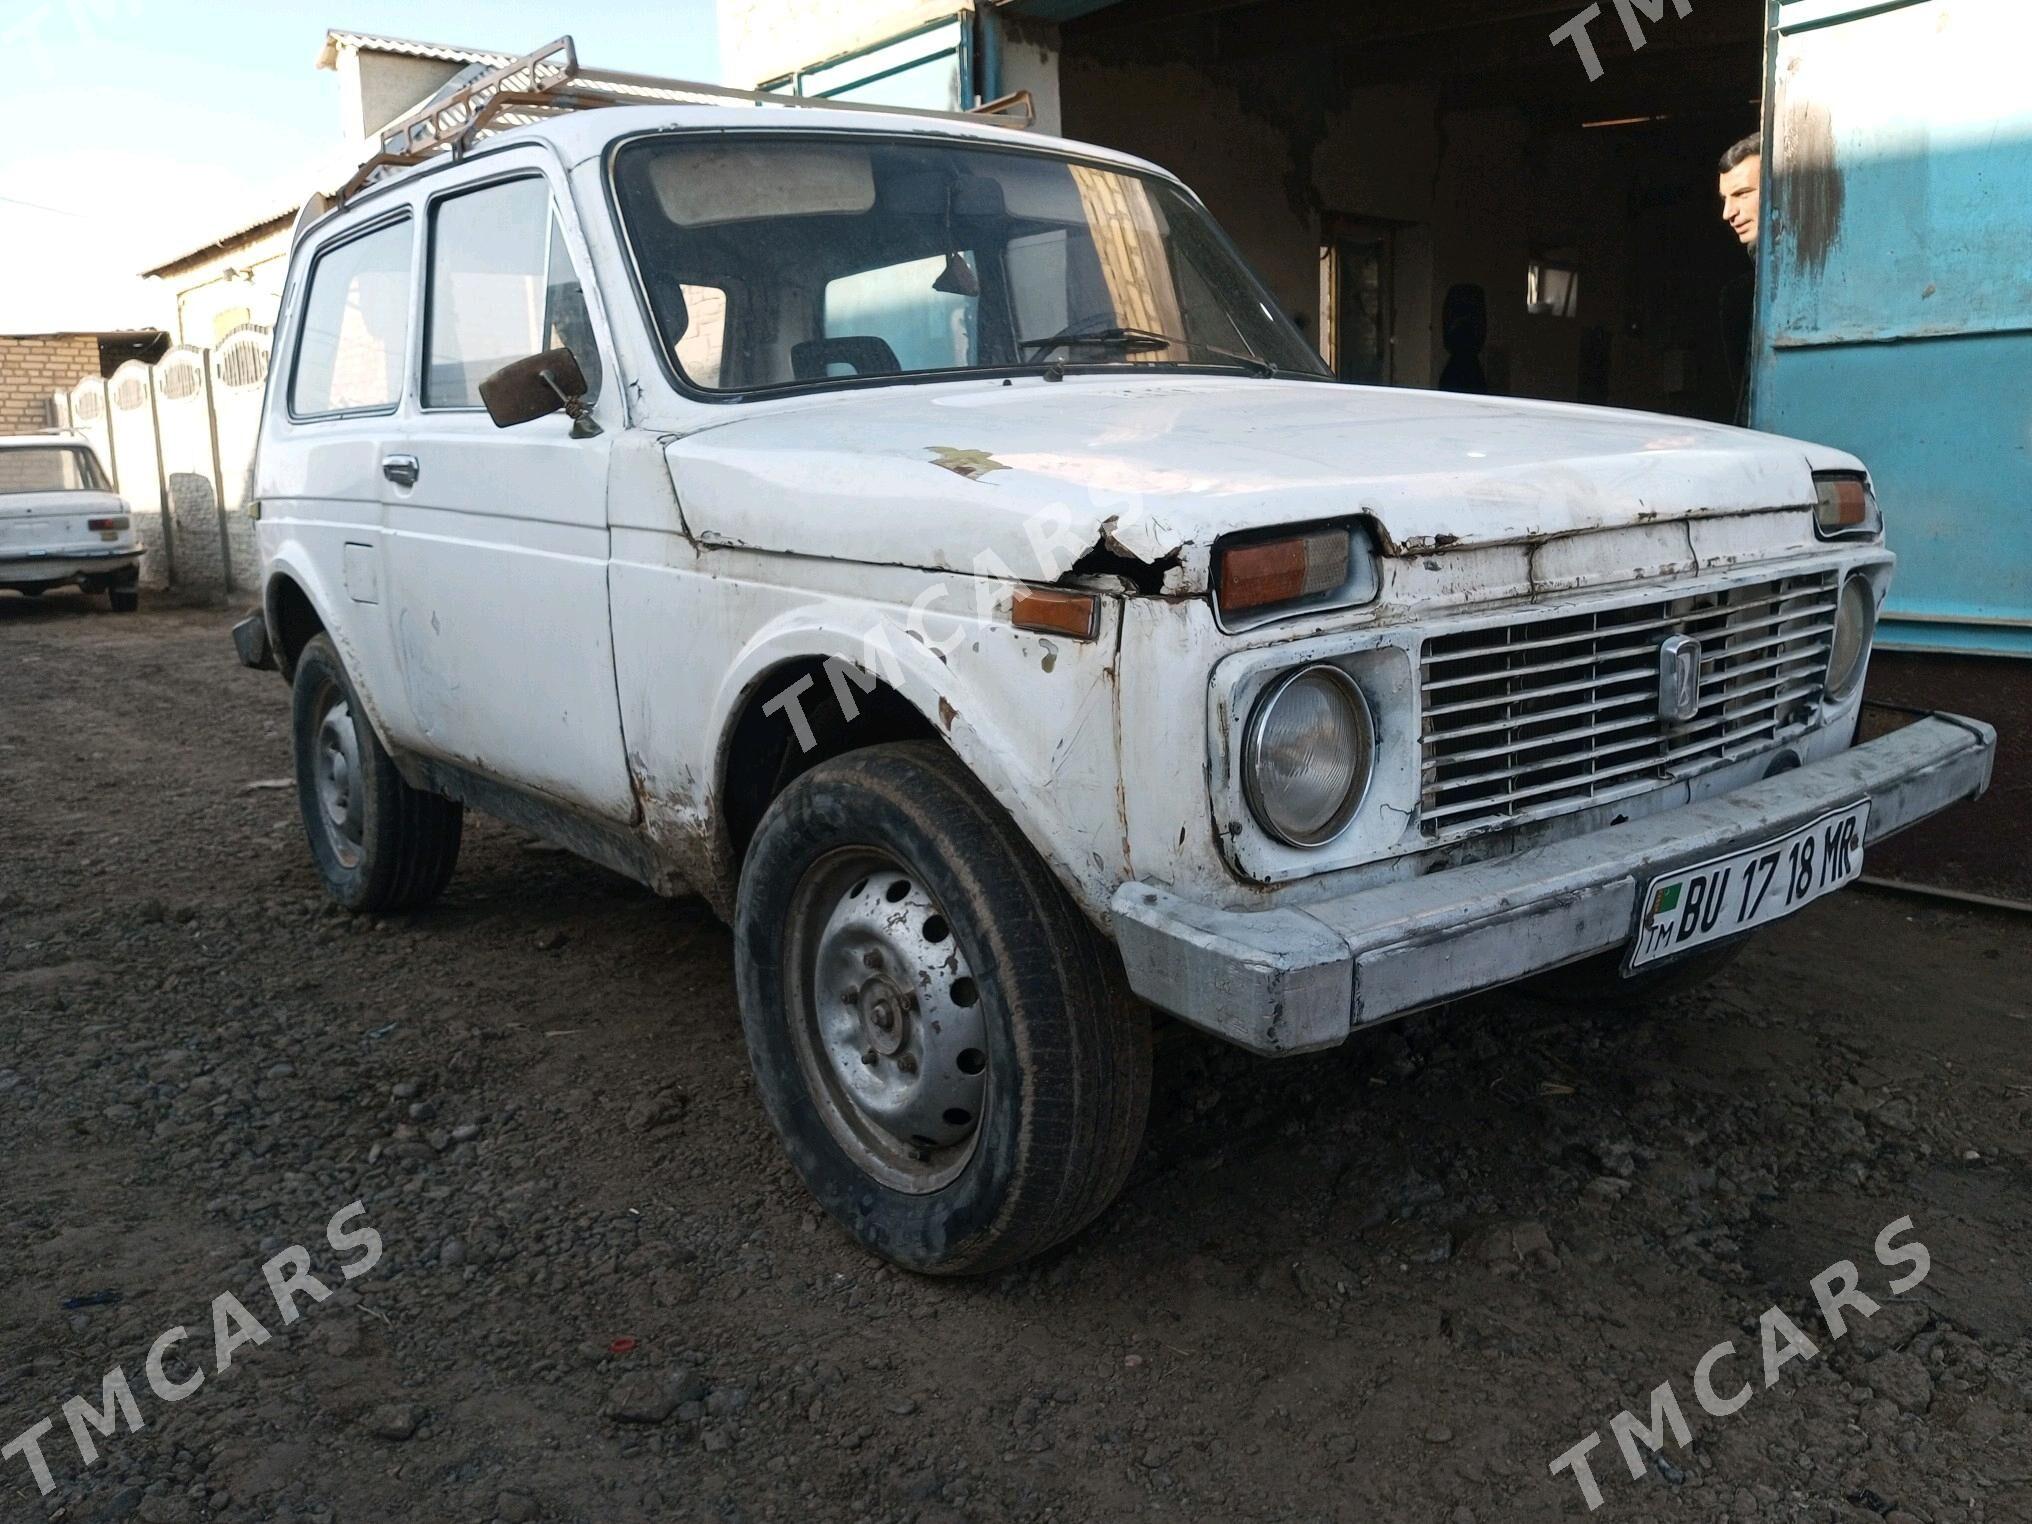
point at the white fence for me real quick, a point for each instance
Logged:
(178, 439)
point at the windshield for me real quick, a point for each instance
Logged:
(772, 260)
(49, 468)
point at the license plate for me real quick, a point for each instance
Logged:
(1751, 888)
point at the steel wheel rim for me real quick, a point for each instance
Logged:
(887, 1020)
(335, 765)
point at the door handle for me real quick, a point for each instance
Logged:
(401, 469)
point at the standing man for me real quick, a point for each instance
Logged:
(1742, 189)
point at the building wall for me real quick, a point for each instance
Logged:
(761, 40)
(34, 369)
(207, 303)
(1030, 62)
(375, 88)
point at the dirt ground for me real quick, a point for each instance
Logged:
(1392, 1282)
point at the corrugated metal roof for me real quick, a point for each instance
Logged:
(271, 216)
(367, 42)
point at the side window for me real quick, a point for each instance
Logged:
(925, 327)
(567, 320)
(355, 326)
(502, 287)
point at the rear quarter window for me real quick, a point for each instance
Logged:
(54, 468)
(355, 333)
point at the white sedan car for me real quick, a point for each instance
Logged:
(62, 524)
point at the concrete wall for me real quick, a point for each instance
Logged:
(178, 440)
(137, 466)
(88, 409)
(239, 371)
(31, 369)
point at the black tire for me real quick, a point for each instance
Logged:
(1065, 1089)
(1600, 981)
(123, 600)
(377, 843)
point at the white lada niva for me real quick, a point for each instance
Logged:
(928, 542)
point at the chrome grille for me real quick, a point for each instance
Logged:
(1549, 715)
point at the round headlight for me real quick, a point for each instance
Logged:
(1311, 747)
(1854, 621)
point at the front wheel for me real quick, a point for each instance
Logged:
(936, 1031)
(378, 843)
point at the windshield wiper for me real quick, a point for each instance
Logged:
(1133, 340)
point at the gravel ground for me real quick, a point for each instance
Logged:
(1391, 1282)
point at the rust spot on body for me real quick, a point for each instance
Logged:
(972, 464)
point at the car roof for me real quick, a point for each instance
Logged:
(582, 135)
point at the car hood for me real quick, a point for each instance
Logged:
(963, 476)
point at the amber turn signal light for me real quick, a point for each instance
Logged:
(1844, 506)
(1283, 571)
(1053, 611)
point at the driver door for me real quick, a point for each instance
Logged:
(497, 538)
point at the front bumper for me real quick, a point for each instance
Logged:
(1292, 980)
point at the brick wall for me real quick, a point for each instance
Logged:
(32, 368)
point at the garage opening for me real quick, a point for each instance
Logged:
(1441, 193)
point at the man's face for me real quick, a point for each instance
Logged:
(1742, 191)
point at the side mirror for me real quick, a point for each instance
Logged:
(537, 387)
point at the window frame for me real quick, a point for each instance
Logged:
(394, 217)
(554, 224)
(689, 390)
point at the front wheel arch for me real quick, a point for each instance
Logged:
(293, 621)
(761, 754)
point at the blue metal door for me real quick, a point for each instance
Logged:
(1895, 297)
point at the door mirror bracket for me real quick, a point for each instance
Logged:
(536, 387)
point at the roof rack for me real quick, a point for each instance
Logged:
(550, 82)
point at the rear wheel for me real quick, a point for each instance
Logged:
(378, 843)
(123, 600)
(936, 1031)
